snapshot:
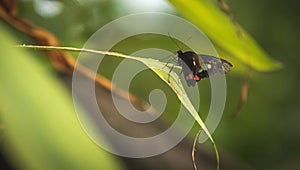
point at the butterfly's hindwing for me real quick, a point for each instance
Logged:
(214, 65)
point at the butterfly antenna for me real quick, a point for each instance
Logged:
(173, 41)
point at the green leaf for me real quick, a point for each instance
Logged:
(223, 33)
(42, 129)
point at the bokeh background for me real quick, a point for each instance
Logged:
(39, 129)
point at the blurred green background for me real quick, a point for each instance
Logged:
(39, 129)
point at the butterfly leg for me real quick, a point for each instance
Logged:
(180, 73)
(170, 72)
(171, 59)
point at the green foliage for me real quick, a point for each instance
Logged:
(27, 117)
(223, 33)
(161, 70)
(37, 111)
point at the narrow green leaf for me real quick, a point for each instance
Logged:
(214, 23)
(42, 129)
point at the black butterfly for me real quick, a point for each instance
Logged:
(196, 67)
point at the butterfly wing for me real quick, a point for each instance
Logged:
(189, 61)
(213, 66)
(188, 73)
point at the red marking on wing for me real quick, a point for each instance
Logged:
(197, 78)
(190, 76)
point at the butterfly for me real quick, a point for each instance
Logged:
(196, 67)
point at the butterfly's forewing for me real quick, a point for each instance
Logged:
(189, 61)
(187, 72)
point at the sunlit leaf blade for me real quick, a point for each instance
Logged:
(172, 79)
(41, 126)
(213, 22)
(174, 82)
(161, 70)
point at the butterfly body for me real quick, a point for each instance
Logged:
(196, 67)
